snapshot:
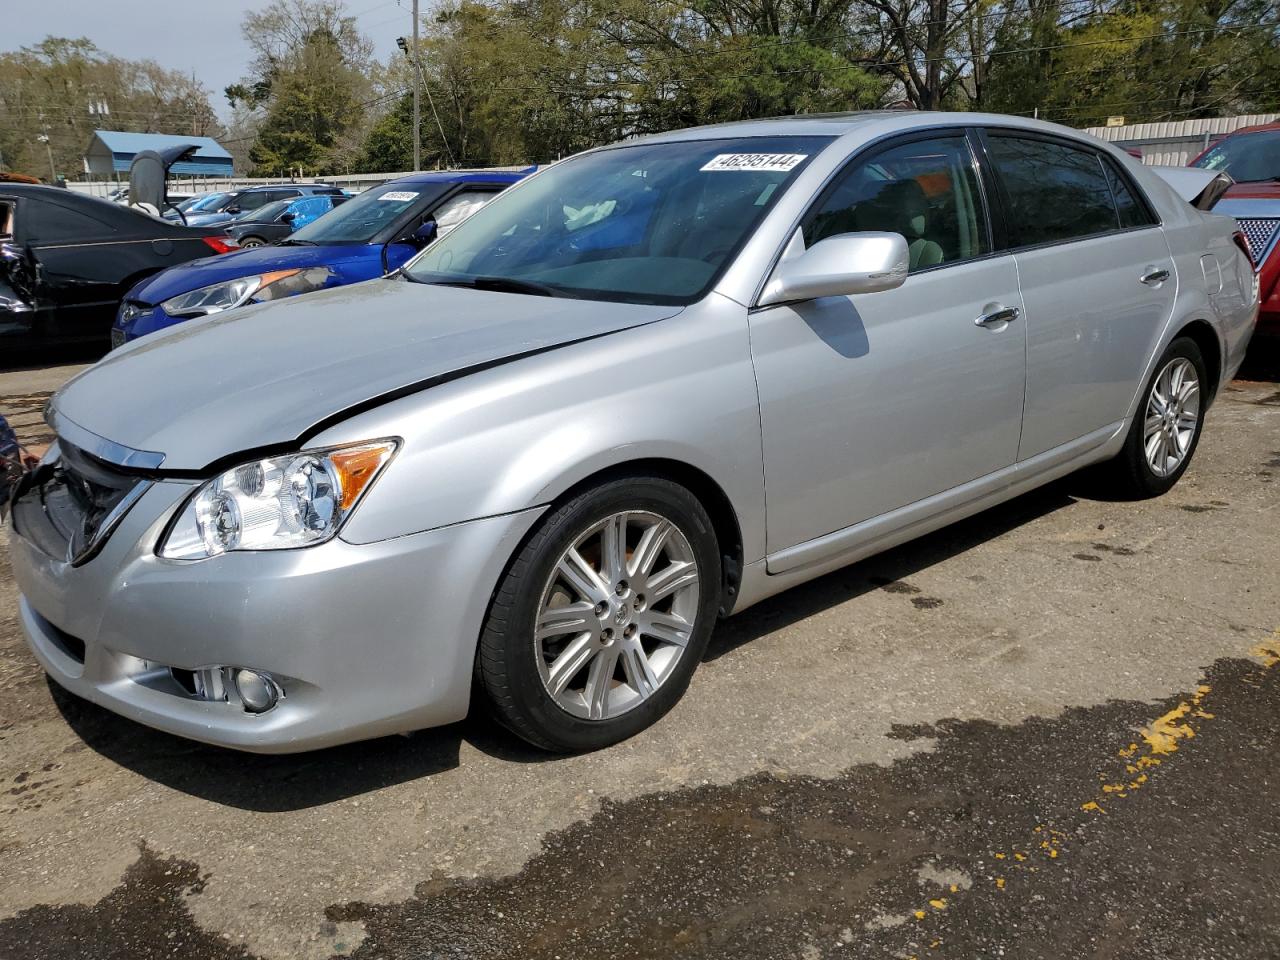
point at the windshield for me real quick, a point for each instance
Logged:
(649, 223)
(265, 213)
(205, 202)
(363, 217)
(1246, 156)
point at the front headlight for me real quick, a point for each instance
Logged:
(276, 503)
(255, 289)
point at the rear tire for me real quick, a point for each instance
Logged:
(1166, 429)
(249, 242)
(602, 616)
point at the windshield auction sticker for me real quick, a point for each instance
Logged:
(398, 195)
(770, 162)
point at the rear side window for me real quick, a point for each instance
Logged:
(1054, 192)
(52, 223)
(1131, 211)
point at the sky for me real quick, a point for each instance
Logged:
(200, 36)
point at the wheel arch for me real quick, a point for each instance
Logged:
(712, 496)
(1205, 337)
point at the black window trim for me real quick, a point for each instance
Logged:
(985, 134)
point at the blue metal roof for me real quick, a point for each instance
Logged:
(211, 159)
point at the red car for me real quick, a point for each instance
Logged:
(1251, 156)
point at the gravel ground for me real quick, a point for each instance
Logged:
(1048, 731)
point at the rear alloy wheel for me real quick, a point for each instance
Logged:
(248, 242)
(1172, 417)
(603, 616)
(1164, 434)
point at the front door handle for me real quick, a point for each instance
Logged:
(1154, 276)
(998, 313)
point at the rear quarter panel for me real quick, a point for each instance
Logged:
(1191, 235)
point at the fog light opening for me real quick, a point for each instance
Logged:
(258, 692)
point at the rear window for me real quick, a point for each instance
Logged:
(1054, 192)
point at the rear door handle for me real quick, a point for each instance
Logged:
(1154, 276)
(998, 313)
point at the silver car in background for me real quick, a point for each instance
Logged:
(645, 388)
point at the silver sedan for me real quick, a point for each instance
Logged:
(644, 389)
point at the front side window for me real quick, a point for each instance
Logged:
(644, 223)
(926, 190)
(256, 199)
(1055, 192)
(459, 207)
(1248, 157)
(369, 214)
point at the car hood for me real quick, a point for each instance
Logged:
(271, 375)
(194, 274)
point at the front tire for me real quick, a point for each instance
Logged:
(1166, 430)
(602, 617)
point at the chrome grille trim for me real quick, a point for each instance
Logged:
(108, 451)
(74, 504)
(1260, 232)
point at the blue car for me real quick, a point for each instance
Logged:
(368, 236)
(227, 206)
(273, 222)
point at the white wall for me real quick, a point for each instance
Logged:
(354, 181)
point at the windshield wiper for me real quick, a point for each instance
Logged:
(501, 285)
(291, 242)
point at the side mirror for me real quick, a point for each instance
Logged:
(233, 210)
(288, 217)
(425, 233)
(839, 266)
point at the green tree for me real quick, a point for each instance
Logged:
(64, 89)
(310, 80)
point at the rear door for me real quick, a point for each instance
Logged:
(1097, 279)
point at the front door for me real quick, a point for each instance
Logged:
(874, 402)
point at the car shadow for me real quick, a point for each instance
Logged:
(891, 567)
(273, 784)
(1262, 361)
(17, 355)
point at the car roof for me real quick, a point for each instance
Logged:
(465, 176)
(1256, 128)
(809, 124)
(860, 123)
(284, 186)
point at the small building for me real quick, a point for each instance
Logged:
(1175, 143)
(111, 152)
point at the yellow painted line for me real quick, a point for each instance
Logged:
(1160, 740)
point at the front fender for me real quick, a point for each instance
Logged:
(521, 434)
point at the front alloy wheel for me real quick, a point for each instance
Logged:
(602, 616)
(617, 614)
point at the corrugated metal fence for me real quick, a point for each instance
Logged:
(1176, 143)
(355, 182)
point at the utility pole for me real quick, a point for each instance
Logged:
(417, 130)
(53, 173)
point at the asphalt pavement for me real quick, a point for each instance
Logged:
(1046, 732)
